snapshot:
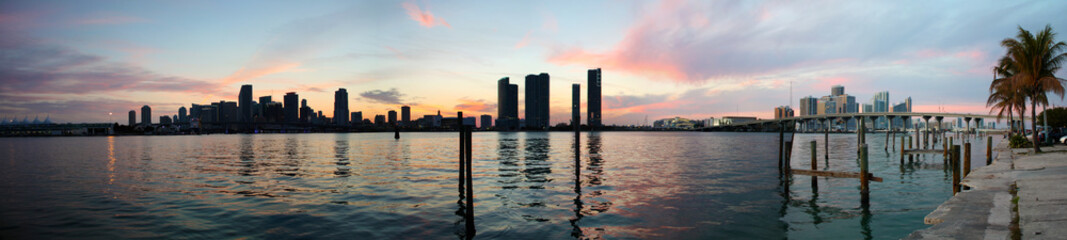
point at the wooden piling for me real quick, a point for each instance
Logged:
(989, 150)
(901, 149)
(966, 159)
(462, 157)
(814, 164)
(396, 133)
(781, 148)
(864, 181)
(955, 160)
(826, 139)
(788, 156)
(470, 182)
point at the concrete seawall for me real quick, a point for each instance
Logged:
(988, 209)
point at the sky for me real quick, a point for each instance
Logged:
(78, 61)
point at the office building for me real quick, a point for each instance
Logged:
(537, 101)
(133, 117)
(809, 106)
(227, 111)
(305, 111)
(392, 117)
(783, 112)
(837, 90)
(838, 102)
(379, 120)
(357, 118)
(292, 111)
(405, 116)
(146, 115)
(593, 106)
(486, 121)
(340, 107)
(244, 100)
(507, 105)
(576, 105)
(164, 120)
(182, 117)
(904, 106)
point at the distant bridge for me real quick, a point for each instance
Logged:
(760, 125)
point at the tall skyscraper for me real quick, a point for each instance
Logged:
(783, 112)
(379, 120)
(182, 118)
(576, 105)
(133, 118)
(244, 100)
(507, 105)
(392, 117)
(227, 111)
(146, 115)
(305, 111)
(340, 107)
(809, 106)
(487, 121)
(292, 111)
(405, 116)
(593, 107)
(837, 90)
(537, 101)
(357, 118)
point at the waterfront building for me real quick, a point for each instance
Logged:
(783, 112)
(507, 105)
(379, 120)
(593, 104)
(486, 121)
(263, 101)
(809, 106)
(133, 118)
(405, 116)
(164, 120)
(537, 101)
(357, 118)
(291, 110)
(576, 104)
(274, 112)
(904, 106)
(392, 117)
(146, 115)
(727, 120)
(305, 111)
(227, 111)
(182, 117)
(244, 99)
(340, 107)
(837, 90)
(838, 102)
(673, 123)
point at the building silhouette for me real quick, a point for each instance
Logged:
(357, 118)
(486, 121)
(182, 117)
(340, 107)
(227, 111)
(392, 117)
(576, 105)
(244, 101)
(507, 105)
(133, 117)
(537, 101)
(593, 106)
(305, 111)
(379, 120)
(292, 111)
(146, 115)
(405, 116)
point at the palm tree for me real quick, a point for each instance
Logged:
(1004, 95)
(1035, 59)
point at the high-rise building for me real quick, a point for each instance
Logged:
(146, 115)
(486, 121)
(809, 106)
(880, 102)
(904, 106)
(838, 102)
(783, 112)
(292, 111)
(182, 118)
(576, 105)
(305, 111)
(392, 117)
(340, 107)
(537, 101)
(163, 120)
(244, 100)
(507, 105)
(837, 90)
(593, 106)
(405, 116)
(357, 118)
(133, 118)
(379, 120)
(227, 111)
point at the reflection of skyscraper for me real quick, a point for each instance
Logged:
(537, 101)
(507, 105)
(392, 117)
(593, 107)
(133, 117)
(146, 115)
(405, 116)
(291, 109)
(244, 100)
(340, 107)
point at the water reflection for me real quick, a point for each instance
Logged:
(340, 149)
(536, 166)
(247, 156)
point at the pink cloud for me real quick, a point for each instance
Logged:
(247, 74)
(425, 18)
(525, 40)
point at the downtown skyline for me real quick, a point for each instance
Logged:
(79, 61)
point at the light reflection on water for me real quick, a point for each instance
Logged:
(368, 185)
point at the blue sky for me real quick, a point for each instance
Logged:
(76, 61)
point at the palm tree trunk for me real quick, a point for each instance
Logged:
(1033, 124)
(1011, 122)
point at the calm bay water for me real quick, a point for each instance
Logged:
(678, 185)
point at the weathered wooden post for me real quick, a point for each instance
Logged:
(989, 150)
(470, 181)
(462, 157)
(826, 138)
(886, 132)
(781, 148)
(901, 149)
(788, 157)
(966, 159)
(864, 179)
(814, 167)
(955, 169)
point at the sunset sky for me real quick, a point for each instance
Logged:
(76, 61)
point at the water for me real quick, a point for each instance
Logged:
(677, 185)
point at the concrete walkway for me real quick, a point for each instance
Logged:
(985, 211)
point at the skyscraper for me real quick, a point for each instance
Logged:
(537, 101)
(837, 90)
(809, 106)
(305, 111)
(133, 118)
(146, 115)
(392, 117)
(507, 105)
(340, 107)
(576, 105)
(405, 116)
(357, 118)
(244, 101)
(487, 121)
(593, 106)
(182, 118)
(379, 120)
(292, 111)
(783, 112)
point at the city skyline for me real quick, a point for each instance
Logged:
(80, 61)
